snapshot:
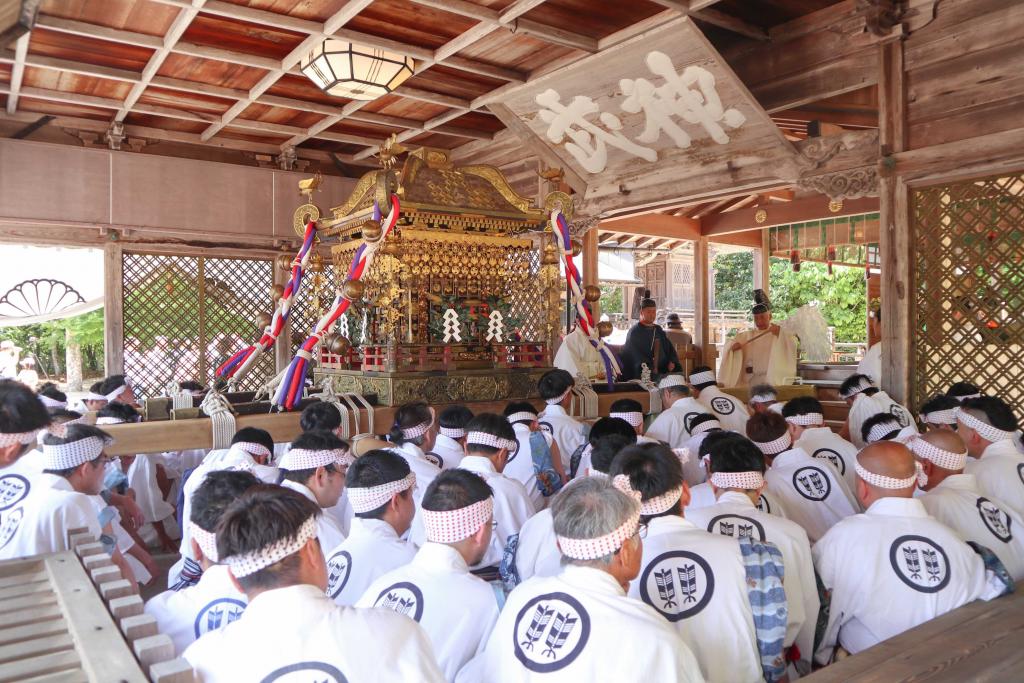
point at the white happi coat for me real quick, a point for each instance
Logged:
(568, 433)
(448, 450)
(298, 634)
(187, 614)
(672, 425)
(729, 410)
(773, 359)
(371, 549)
(424, 469)
(520, 464)
(456, 609)
(734, 515)
(537, 553)
(1000, 474)
(703, 496)
(889, 569)
(512, 506)
(37, 514)
(577, 356)
(813, 493)
(327, 530)
(580, 626)
(822, 443)
(865, 406)
(958, 503)
(871, 363)
(142, 479)
(698, 583)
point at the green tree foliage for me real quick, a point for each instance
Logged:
(611, 299)
(46, 341)
(734, 280)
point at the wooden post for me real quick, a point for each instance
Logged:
(113, 310)
(701, 298)
(590, 277)
(762, 264)
(894, 229)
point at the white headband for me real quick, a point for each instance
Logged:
(593, 548)
(368, 498)
(986, 430)
(964, 397)
(305, 459)
(416, 431)
(67, 456)
(452, 526)
(207, 540)
(116, 392)
(940, 457)
(705, 426)
(252, 448)
(764, 398)
(651, 506)
(883, 429)
(558, 399)
(19, 437)
(862, 384)
(807, 420)
(775, 446)
(452, 432)
(109, 421)
(940, 417)
(683, 454)
(702, 377)
(738, 480)
(884, 482)
(669, 381)
(52, 402)
(634, 418)
(250, 563)
(485, 439)
(92, 396)
(520, 416)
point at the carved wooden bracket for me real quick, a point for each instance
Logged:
(848, 184)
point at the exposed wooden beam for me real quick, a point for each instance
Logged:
(18, 72)
(551, 34)
(698, 10)
(655, 225)
(796, 211)
(81, 28)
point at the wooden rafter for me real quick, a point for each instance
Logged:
(698, 9)
(20, 53)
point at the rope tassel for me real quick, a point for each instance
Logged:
(289, 393)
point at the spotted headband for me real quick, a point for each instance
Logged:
(52, 402)
(862, 384)
(670, 381)
(807, 420)
(702, 377)
(882, 430)
(750, 481)
(593, 548)
(775, 446)
(250, 563)
(206, 540)
(558, 399)
(634, 418)
(764, 398)
(305, 459)
(940, 417)
(485, 439)
(705, 426)
(416, 431)
(367, 498)
(251, 448)
(884, 482)
(452, 432)
(67, 456)
(940, 457)
(652, 506)
(19, 437)
(112, 396)
(986, 430)
(452, 526)
(521, 416)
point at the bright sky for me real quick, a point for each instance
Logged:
(82, 269)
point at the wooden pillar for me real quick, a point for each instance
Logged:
(113, 310)
(590, 277)
(762, 263)
(894, 230)
(701, 298)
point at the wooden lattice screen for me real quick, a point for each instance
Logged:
(969, 283)
(184, 315)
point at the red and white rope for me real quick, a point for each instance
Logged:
(452, 526)
(748, 481)
(939, 457)
(986, 430)
(250, 563)
(369, 498)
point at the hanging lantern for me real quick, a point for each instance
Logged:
(830, 256)
(344, 69)
(794, 260)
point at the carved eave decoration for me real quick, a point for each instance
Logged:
(841, 166)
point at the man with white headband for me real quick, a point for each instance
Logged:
(602, 429)
(534, 464)
(291, 630)
(987, 425)
(737, 480)
(380, 486)
(939, 413)
(885, 427)
(865, 399)
(537, 552)
(762, 397)
(672, 425)
(93, 399)
(703, 495)
(437, 590)
(765, 354)
(961, 391)
(694, 579)
(631, 411)
(729, 410)
(52, 397)
(214, 601)
(22, 418)
(806, 420)
(326, 417)
(893, 566)
(449, 445)
(555, 387)
(701, 427)
(315, 466)
(953, 498)
(812, 493)
(118, 388)
(580, 625)
(413, 434)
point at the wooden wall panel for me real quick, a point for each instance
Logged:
(42, 181)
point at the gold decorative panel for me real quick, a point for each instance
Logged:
(969, 289)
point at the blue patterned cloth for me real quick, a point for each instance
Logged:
(765, 572)
(992, 564)
(191, 572)
(507, 569)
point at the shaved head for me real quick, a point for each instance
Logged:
(946, 440)
(888, 458)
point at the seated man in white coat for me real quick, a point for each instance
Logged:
(555, 387)
(696, 580)
(22, 417)
(884, 427)
(954, 499)
(866, 399)
(379, 485)
(315, 466)
(738, 481)
(291, 630)
(413, 434)
(939, 412)
(535, 471)
(580, 625)
(455, 608)
(763, 397)
(214, 601)
(672, 425)
(987, 425)
(812, 492)
(729, 410)
(703, 495)
(450, 444)
(894, 567)
(602, 429)
(326, 417)
(632, 411)
(806, 420)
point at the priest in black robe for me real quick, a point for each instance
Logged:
(647, 343)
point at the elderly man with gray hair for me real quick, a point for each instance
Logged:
(579, 625)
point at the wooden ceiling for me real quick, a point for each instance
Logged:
(224, 73)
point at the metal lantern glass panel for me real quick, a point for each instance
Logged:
(344, 69)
